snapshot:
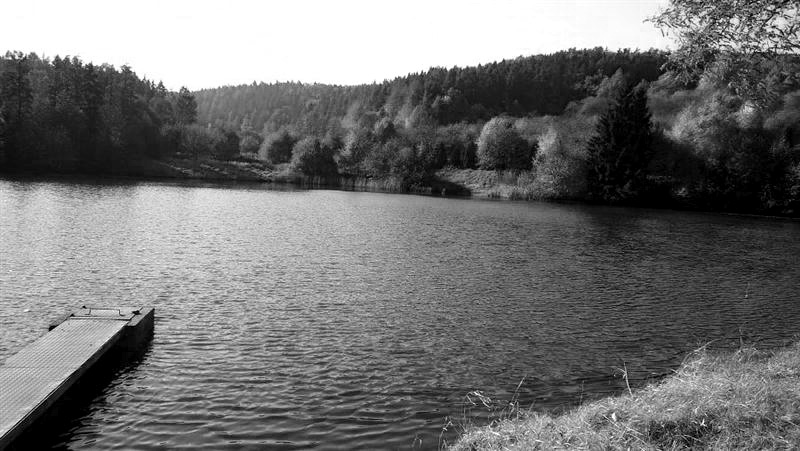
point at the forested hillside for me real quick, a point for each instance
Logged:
(594, 125)
(533, 85)
(63, 115)
(580, 124)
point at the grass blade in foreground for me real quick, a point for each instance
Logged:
(745, 400)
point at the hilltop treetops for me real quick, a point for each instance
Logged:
(581, 124)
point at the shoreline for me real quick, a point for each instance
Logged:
(447, 183)
(747, 399)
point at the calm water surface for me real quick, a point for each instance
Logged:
(329, 320)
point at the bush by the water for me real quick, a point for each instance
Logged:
(501, 146)
(311, 157)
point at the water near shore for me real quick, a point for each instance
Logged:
(328, 319)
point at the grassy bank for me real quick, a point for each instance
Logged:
(515, 185)
(745, 400)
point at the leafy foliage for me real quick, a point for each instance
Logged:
(560, 165)
(541, 84)
(740, 41)
(358, 143)
(277, 147)
(250, 140)
(456, 145)
(311, 157)
(185, 107)
(500, 146)
(744, 164)
(64, 115)
(711, 145)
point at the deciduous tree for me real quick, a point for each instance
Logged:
(744, 42)
(277, 147)
(500, 146)
(310, 157)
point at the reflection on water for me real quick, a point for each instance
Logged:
(335, 319)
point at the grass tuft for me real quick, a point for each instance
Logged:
(747, 399)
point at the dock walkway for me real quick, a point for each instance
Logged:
(35, 378)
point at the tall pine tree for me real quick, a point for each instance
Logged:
(620, 151)
(16, 98)
(185, 107)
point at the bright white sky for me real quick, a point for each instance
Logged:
(202, 44)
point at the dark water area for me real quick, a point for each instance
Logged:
(331, 320)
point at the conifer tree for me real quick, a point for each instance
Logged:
(17, 96)
(620, 151)
(185, 107)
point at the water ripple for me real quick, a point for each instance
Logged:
(330, 320)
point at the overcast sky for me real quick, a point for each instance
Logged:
(203, 44)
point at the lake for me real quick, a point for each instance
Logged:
(330, 319)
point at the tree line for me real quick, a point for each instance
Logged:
(540, 85)
(709, 131)
(64, 115)
(627, 127)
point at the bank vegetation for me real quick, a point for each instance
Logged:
(744, 400)
(713, 125)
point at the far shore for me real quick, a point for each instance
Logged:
(448, 182)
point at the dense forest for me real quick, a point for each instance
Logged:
(720, 131)
(616, 127)
(62, 115)
(534, 85)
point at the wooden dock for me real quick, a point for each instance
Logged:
(41, 373)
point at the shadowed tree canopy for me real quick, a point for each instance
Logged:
(500, 146)
(16, 98)
(620, 151)
(531, 117)
(64, 115)
(311, 157)
(277, 147)
(539, 84)
(186, 107)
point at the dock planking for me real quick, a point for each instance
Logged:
(34, 379)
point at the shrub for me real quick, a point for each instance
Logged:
(310, 157)
(413, 165)
(277, 147)
(743, 164)
(560, 165)
(358, 144)
(196, 140)
(455, 145)
(500, 146)
(227, 145)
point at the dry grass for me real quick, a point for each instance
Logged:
(514, 185)
(519, 185)
(744, 400)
